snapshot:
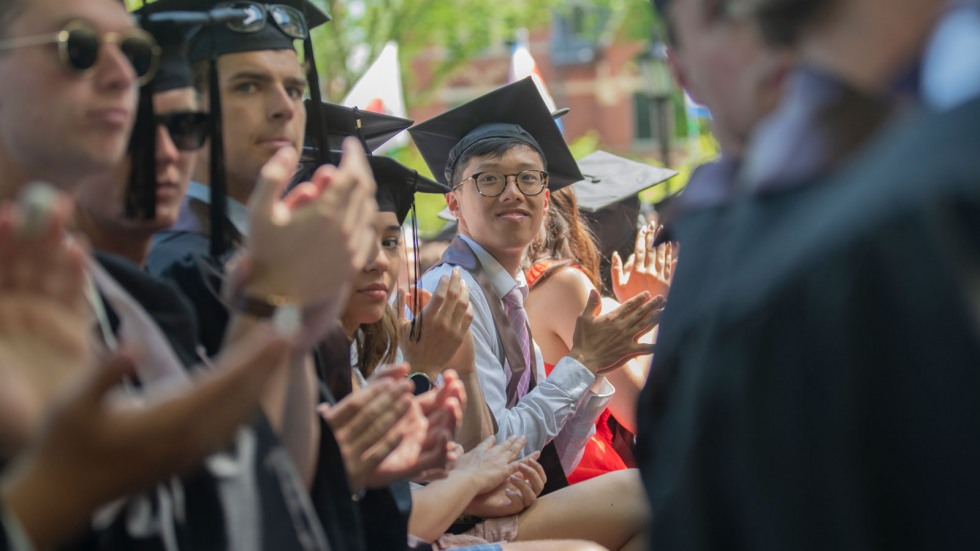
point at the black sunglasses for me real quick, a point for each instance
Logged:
(187, 129)
(79, 44)
(289, 19)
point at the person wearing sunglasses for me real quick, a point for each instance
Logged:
(178, 129)
(76, 81)
(262, 85)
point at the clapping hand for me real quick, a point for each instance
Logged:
(607, 341)
(516, 493)
(445, 318)
(366, 427)
(308, 245)
(649, 268)
(44, 319)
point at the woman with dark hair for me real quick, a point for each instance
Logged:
(562, 270)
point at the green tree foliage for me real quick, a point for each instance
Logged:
(460, 31)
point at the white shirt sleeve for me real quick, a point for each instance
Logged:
(570, 442)
(544, 411)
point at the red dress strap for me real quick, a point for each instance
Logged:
(536, 271)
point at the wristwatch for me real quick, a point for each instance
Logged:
(422, 382)
(282, 311)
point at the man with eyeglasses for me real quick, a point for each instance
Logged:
(502, 154)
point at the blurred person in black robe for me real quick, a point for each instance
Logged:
(824, 399)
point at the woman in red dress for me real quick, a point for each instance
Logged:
(563, 268)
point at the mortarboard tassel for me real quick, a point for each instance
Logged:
(315, 114)
(141, 192)
(416, 331)
(218, 184)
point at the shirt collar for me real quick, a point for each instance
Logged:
(237, 213)
(502, 281)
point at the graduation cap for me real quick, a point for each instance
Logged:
(608, 199)
(372, 129)
(396, 188)
(608, 178)
(173, 71)
(258, 26)
(513, 111)
(266, 26)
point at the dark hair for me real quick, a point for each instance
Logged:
(201, 75)
(564, 239)
(490, 147)
(376, 343)
(782, 22)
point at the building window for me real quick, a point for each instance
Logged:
(643, 118)
(576, 30)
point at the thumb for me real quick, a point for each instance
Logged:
(273, 178)
(592, 305)
(616, 268)
(400, 304)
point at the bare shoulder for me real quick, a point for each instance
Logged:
(568, 286)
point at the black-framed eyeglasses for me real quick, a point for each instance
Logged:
(289, 19)
(79, 44)
(492, 184)
(187, 129)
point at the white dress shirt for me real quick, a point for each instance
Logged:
(236, 212)
(562, 407)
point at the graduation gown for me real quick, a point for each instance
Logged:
(826, 398)
(201, 508)
(198, 276)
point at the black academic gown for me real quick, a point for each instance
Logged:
(285, 524)
(827, 398)
(198, 276)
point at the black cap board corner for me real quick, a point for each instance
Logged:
(609, 178)
(373, 129)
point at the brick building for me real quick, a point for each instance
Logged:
(598, 82)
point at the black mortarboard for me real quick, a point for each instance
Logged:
(398, 184)
(396, 188)
(609, 178)
(173, 71)
(373, 129)
(513, 111)
(226, 38)
(219, 40)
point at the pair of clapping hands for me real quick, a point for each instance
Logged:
(57, 421)
(60, 428)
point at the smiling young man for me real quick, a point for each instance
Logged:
(502, 163)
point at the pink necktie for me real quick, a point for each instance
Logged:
(514, 306)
